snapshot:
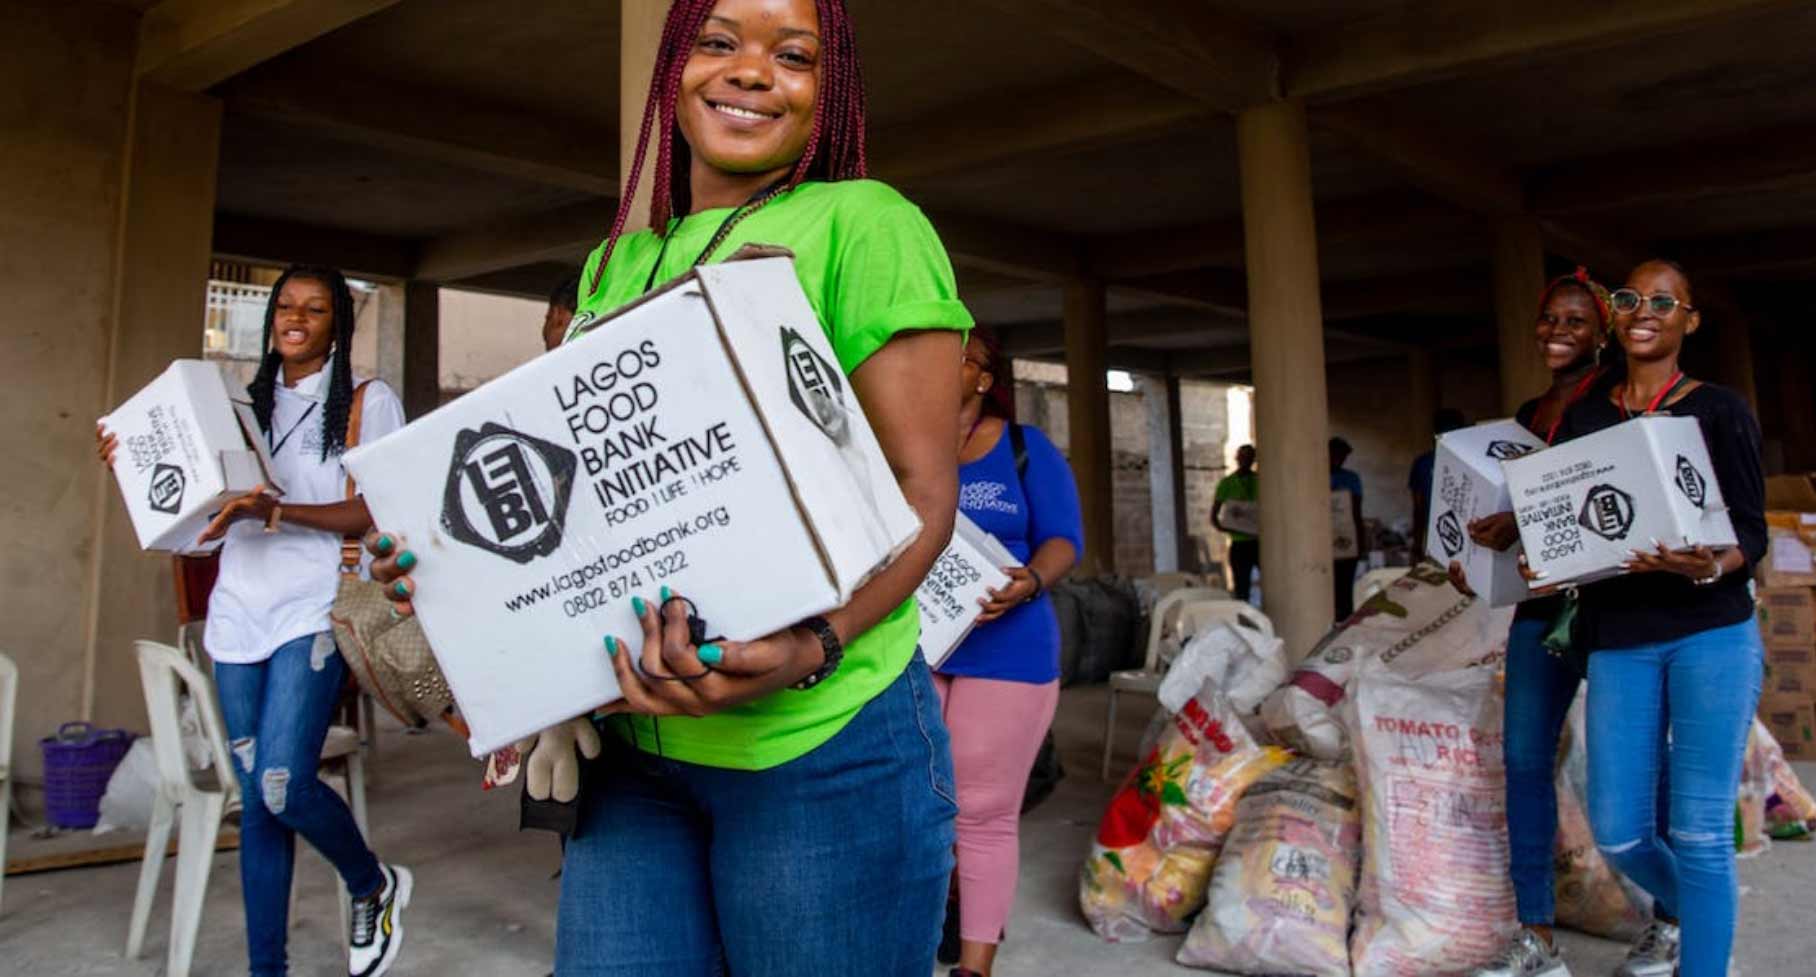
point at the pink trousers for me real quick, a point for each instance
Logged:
(997, 728)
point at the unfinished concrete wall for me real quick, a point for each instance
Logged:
(63, 118)
(105, 226)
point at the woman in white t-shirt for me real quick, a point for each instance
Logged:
(276, 665)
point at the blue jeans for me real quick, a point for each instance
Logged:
(1700, 692)
(277, 713)
(836, 862)
(1540, 688)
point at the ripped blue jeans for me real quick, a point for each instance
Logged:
(277, 713)
(1700, 691)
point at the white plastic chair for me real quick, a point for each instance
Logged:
(1169, 618)
(9, 698)
(200, 801)
(1376, 581)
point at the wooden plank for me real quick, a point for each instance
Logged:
(85, 850)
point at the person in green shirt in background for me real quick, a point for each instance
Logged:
(1241, 485)
(781, 806)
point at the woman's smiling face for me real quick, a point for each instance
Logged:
(747, 96)
(1569, 327)
(1647, 335)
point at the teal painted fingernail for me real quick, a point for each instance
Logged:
(611, 647)
(384, 544)
(666, 594)
(637, 605)
(406, 560)
(711, 654)
(401, 589)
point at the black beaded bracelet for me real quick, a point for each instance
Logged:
(1040, 586)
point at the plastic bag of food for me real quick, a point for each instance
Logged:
(1151, 859)
(1591, 895)
(1790, 811)
(1418, 625)
(1434, 897)
(1245, 663)
(1284, 884)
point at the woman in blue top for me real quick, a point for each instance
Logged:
(1000, 687)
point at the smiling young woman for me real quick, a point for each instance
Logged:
(276, 666)
(1675, 655)
(785, 805)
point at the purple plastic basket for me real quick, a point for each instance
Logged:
(77, 764)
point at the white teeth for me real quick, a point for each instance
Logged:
(733, 110)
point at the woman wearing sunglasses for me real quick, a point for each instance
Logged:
(1674, 655)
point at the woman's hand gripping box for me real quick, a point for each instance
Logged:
(703, 438)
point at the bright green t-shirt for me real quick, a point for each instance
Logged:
(1238, 487)
(871, 266)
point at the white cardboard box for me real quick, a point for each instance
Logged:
(1343, 542)
(1245, 517)
(1241, 516)
(703, 439)
(185, 449)
(1585, 506)
(1467, 484)
(971, 566)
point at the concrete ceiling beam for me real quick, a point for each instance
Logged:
(1089, 113)
(193, 45)
(1781, 158)
(1435, 40)
(433, 126)
(1425, 156)
(263, 241)
(1222, 62)
(565, 234)
(1787, 251)
(1381, 218)
(999, 247)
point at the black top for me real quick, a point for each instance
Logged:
(1536, 608)
(1621, 612)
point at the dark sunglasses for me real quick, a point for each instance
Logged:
(1627, 301)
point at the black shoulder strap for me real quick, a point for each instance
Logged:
(1018, 441)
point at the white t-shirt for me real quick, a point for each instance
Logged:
(277, 587)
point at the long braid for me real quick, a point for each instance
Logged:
(835, 147)
(263, 388)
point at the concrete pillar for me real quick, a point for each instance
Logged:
(390, 322)
(1088, 415)
(1519, 276)
(1166, 473)
(639, 38)
(160, 281)
(422, 348)
(1286, 342)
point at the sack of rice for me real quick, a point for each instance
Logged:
(1435, 897)
(1281, 894)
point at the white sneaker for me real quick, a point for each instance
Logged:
(376, 925)
(1526, 955)
(1654, 954)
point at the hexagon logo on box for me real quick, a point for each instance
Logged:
(508, 492)
(1607, 512)
(1450, 533)
(1691, 482)
(167, 484)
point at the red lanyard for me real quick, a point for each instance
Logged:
(1652, 407)
(1575, 395)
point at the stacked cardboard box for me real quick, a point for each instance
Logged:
(1787, 626)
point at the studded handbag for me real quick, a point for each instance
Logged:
(388, 655)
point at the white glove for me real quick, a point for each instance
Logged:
(554, 769)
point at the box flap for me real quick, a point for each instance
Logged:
(835, 466)
(1485, 446)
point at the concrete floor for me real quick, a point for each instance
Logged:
(484, 904)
